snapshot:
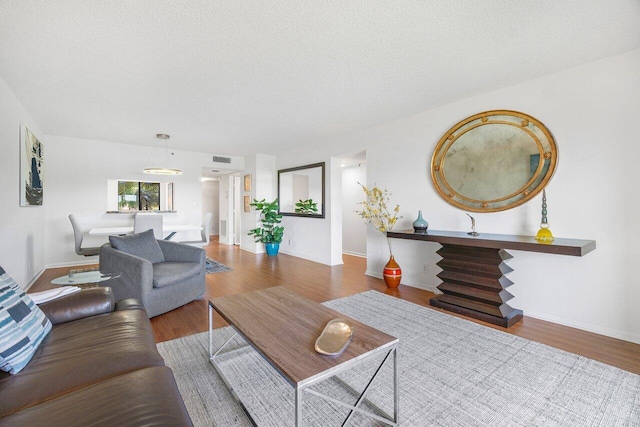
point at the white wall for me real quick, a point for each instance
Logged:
(78, 174)
(75, 181)
(285, 193)
(21, 228)
(334, 193)
(262, 168)
(592, 111)
(354, 232)
(211, 203)
(248, 219)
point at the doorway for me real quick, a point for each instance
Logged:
(220, 196)
(354, 231)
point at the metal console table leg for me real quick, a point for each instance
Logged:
(381, 414)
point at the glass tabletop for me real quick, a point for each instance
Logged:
(92, 276)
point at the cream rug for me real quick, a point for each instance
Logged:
(453, 372)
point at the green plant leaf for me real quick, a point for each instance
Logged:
(269, 216)
(306, 206)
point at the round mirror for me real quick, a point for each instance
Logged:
(493, 161)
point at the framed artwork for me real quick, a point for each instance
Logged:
(31, 166)
(247, 203)
(247, 183)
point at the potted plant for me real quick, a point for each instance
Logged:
(270, 233)
(306, 207)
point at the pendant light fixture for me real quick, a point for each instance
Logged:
(162, 170)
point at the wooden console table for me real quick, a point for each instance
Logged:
(473, 269)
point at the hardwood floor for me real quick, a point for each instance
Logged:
(322, 283)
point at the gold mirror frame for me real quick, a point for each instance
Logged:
(493, 161)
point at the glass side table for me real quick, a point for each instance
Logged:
(87, 278)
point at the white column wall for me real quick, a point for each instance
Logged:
(22, 233)
(262, 168)
(334, 194)
(249, 219)
(315, 239)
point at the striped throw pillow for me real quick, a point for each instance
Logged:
(23, 326)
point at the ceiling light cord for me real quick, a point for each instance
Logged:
(168, 170)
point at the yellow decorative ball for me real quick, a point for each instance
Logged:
(544, 234)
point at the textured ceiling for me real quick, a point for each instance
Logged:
(242, 77)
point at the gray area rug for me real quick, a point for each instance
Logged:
(453, 372)
(214, 266)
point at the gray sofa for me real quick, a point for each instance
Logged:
(162, 275)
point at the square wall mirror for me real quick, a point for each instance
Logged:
(301, 191)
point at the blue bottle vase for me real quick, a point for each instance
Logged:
(420, 225)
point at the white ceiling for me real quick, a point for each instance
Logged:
(241, 77)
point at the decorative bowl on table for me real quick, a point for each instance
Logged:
(335, 337)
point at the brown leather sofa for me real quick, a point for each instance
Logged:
(99, 365)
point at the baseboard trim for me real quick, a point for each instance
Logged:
(36, 277)
(358, 254)
(314, 259)
(585, 326)
(90, 261)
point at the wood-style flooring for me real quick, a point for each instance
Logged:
(322, 283)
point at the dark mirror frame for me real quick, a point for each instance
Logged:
(321, 212)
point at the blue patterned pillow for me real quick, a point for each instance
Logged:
(23, 326)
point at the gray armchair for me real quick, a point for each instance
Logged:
(162, 275)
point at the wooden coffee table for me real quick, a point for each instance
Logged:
(283, 326)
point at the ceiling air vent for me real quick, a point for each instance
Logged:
(221, 159)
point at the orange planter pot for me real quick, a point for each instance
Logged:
(392, 273)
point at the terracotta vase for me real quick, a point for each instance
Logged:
(392, 273)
